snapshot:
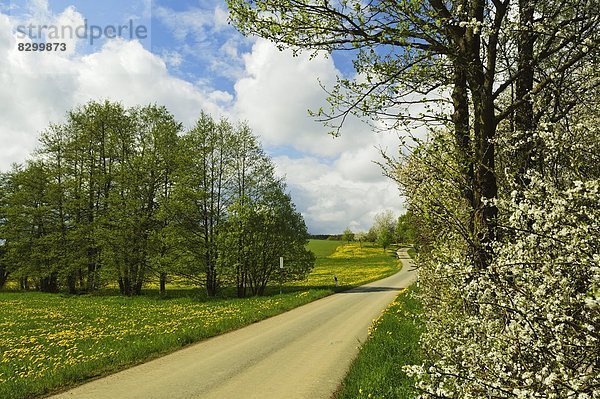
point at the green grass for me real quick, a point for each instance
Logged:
(53, 341)
(50, 341)
(393, 342)
(323, 248)
(353, 263)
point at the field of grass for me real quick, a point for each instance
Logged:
(393, 342)
(353, 263)
(52, 341)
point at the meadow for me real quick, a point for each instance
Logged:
(53, 341)
(353, 264)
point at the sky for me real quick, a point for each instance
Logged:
(185, 55)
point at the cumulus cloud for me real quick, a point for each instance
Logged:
(331, 201)
(39, 88)
(337, 184)
(333, 181)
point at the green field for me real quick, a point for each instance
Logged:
(393, 342)
(354, 264)
(52, 341)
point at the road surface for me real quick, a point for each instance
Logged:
(303, 353)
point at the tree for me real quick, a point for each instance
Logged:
(405, 230)
(512, 73)
(84, 209)
(360, 237)
(147, 153)
(491, 63)
(348, 235)
(93, 144)
(269, 228)
(508, 316)
(384, 238)
(31, 227)
(4, 270)
(383, 226)
(5, 188)
(371, 235)
(253, 174)
(200, 198)
(117, 194)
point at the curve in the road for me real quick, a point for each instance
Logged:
(303, 353)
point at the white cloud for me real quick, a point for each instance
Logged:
(330, 201)
(274, 96)
(39, 88)
(204, 35)
(172, 58)
(333, 181)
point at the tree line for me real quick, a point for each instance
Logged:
(386, 230)
(124, 195)
(506, 187)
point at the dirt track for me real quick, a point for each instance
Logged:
(303, 353)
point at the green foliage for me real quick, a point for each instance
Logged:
(348, 235)
(371, 235)
(405, 229)
(383, 229)
(119, 194)
(260, 231)
(385, 238)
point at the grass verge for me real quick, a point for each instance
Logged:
(393, 342)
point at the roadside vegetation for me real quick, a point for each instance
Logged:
(52, 341)
(393, 343)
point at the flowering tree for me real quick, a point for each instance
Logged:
(515, 81)
(528, 325)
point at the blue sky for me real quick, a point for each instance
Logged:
(193, 60)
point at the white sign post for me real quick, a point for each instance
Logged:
(280, 274)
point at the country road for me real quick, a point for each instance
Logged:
(303, 353)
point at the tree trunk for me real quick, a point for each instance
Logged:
(3, 271)
(211, 280)
(91, 266)
(462, 133)
(72, 282)
(125, 285)
(163, 283)
(137, 288)
(476, 160)
(3, 276)
(49, 283)
(524, 116)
